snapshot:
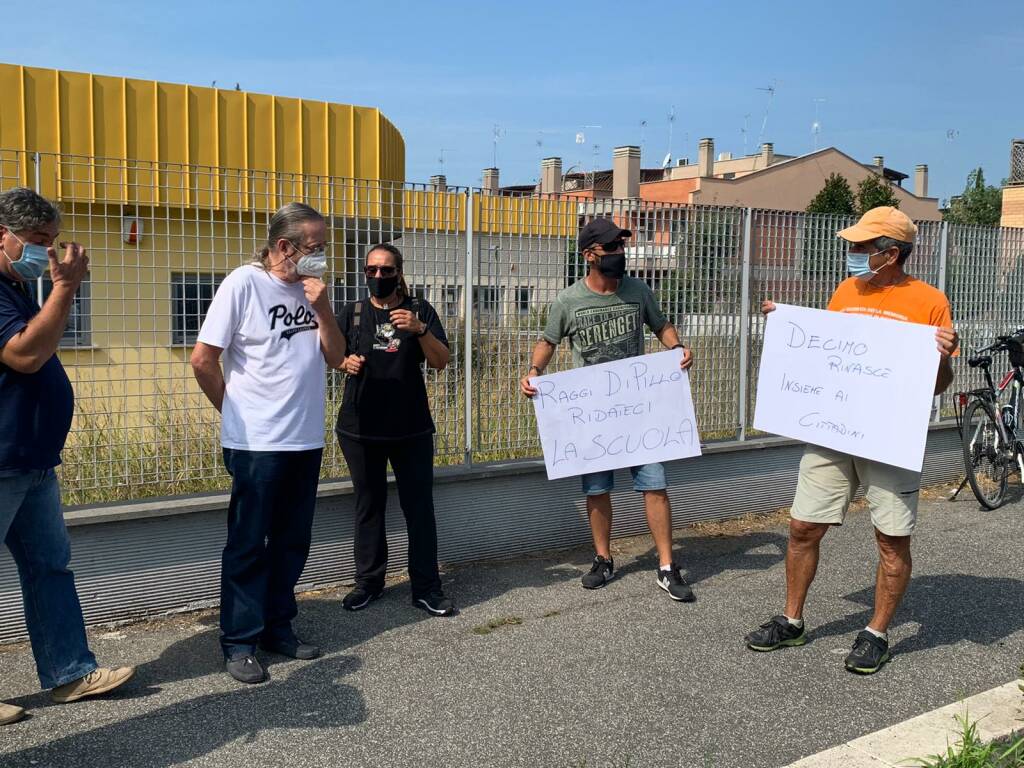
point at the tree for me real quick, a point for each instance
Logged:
(873, 192)
(979, 204)
(835, 197)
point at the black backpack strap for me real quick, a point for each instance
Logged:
(362, 322)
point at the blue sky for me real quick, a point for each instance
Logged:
(936, 82)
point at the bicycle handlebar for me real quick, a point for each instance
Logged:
(1000, 342)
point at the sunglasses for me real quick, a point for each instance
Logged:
(613, 247)
(373, 271)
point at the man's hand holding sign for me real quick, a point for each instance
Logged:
(856, 384)
(617, 414)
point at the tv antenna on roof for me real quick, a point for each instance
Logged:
(496, 133)
(744, 131)
(770, 90)
(816, 125)
(440, 159)
(643, 128)
(671, 126)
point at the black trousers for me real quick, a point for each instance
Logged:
(412, 460)
(270, 523)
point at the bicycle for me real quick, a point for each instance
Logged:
(988, 423)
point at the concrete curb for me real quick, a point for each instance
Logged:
(997, 713)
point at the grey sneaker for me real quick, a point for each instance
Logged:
(245, 669)
(601, 572)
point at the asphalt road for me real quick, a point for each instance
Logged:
(618, 677)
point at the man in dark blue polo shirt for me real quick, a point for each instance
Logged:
(36, 406)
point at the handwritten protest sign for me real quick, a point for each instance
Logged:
(618, 414)
(857, 384)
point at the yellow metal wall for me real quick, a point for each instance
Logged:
(143, 121)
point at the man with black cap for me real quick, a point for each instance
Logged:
(603, 315)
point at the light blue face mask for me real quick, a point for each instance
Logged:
(857, 264)
(33, 262)
(312, 264)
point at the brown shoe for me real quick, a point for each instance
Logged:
(10, 714)
(96, 682)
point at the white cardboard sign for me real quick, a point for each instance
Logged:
(857, 384)
(619, 414)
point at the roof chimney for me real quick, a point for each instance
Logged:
(921, 181)
(439, 183)
(1017, 161)
(879, 163)
(551, 175)
(626, 172)
(767, 153)
(706, 158)
(490, 184)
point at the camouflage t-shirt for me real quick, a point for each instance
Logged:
(602, 327)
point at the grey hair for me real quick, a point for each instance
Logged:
(885, 243)
(21, 209)
(286, 224)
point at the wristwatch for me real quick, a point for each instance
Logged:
(678, 346)
(540, 371)
(423, 333)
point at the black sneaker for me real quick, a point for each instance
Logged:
(245, 669)
(291, 647)
(360, 597)
(777, 632)
(673, 583)
(436, 604)
(869, 653)
(601, 572)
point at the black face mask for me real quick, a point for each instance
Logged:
(382, 287)
(613, 265)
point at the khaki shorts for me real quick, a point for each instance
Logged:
(828, 479)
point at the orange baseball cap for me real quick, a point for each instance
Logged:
(884, 221)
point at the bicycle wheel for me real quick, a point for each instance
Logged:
(987, 454)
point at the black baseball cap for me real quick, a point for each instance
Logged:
(600, 232)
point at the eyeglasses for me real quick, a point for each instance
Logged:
(372, 271)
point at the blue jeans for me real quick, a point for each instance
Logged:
(32, 525)
(646, 477)
(270, 525)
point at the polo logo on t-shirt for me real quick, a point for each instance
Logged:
(296, 321)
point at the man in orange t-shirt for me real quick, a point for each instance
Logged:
(880, 244)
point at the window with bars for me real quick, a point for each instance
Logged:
(487, 299)
(523, 300)
(78, 331)
(191, 295)
(449, 303)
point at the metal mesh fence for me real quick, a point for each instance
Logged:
(161, 237)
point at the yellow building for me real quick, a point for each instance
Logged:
(170, 187)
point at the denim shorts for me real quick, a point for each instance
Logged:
(646, 477)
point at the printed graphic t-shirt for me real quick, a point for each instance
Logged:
(388, 399)
(913, 301)
(274, 371)
(37, 407)
(602, 328)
